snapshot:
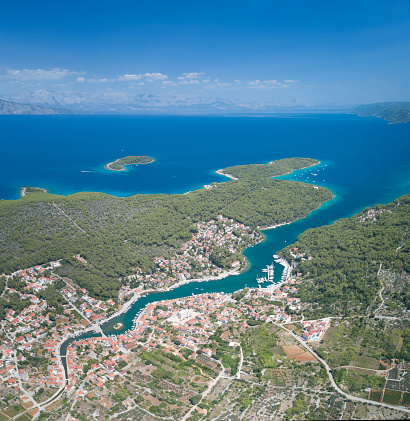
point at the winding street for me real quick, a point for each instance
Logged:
(332, 381)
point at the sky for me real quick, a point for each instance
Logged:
(341, 52)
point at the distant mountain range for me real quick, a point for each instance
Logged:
(393, 112)
(8, 107)
(107, 102)
(47, 102)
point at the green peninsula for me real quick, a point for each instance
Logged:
(117, 235)
(356, 273)
(393, 112)
(342, 263)
(118, 165)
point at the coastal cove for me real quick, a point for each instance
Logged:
(257, 256)
(349, 167)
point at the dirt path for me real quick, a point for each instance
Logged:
(68, 217)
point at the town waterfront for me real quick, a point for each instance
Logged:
(363, 161)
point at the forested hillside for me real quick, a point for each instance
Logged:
(341, 277)
(393, 112)
(118, 165)
(116, 235)
(272, 169)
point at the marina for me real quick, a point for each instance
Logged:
(269, 273)
(287, 269)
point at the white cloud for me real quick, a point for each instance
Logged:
(140, 83)
(127, 77)
(206, 80)
(189, 82)
(223, 84)
(39, 74)
(191, 75)
(155, 76)
(80, 79)
(168, 83)
(290, 81)
(150, 77)
(271, 82)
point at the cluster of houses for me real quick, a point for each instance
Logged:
(174, 325)
(194, 257)
(108, 351)
(177, 324)
(265, 312)
(30, 273)
(34, 280)
(314, 330)
(188, 319)
(55, 376)
(371, 214)
(8, 370)
(296, 254)
(90, 307)
(31, 323)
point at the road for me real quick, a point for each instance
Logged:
(68, 217)
(75, 399)
(5, 286)
(332, 381)
(92, 325)
(238, 374)
(212, 383)
(382, 299)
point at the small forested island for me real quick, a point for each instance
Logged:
(393, 112)
(272, 169)
(118, 165)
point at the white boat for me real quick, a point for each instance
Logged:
(269, 273)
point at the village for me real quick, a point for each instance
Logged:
(194, 258)
(177, 352)
(371, 214)
(182, 329)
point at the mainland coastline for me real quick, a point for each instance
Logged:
(118, 326)
(224, 274)
(221, 172)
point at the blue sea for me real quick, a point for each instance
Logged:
(364, 161)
